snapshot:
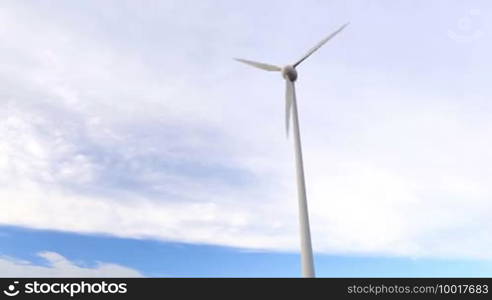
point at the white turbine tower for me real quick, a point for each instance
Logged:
(289, 73)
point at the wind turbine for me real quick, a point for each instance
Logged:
(289, 73)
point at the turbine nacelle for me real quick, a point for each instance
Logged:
(289, 73)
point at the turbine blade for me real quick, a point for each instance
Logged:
(289, 93)
(320, 44)
(259, 65)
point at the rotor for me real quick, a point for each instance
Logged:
(289, 73)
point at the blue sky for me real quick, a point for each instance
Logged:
(168, 259)
(128, 126)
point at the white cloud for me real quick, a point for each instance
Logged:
(143, 138)
(59, 266)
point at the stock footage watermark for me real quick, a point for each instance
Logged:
(71, 289)
(468, 27)
(12, 289)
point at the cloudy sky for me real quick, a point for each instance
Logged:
(131, 144)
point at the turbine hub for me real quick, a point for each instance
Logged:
(289, 73)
